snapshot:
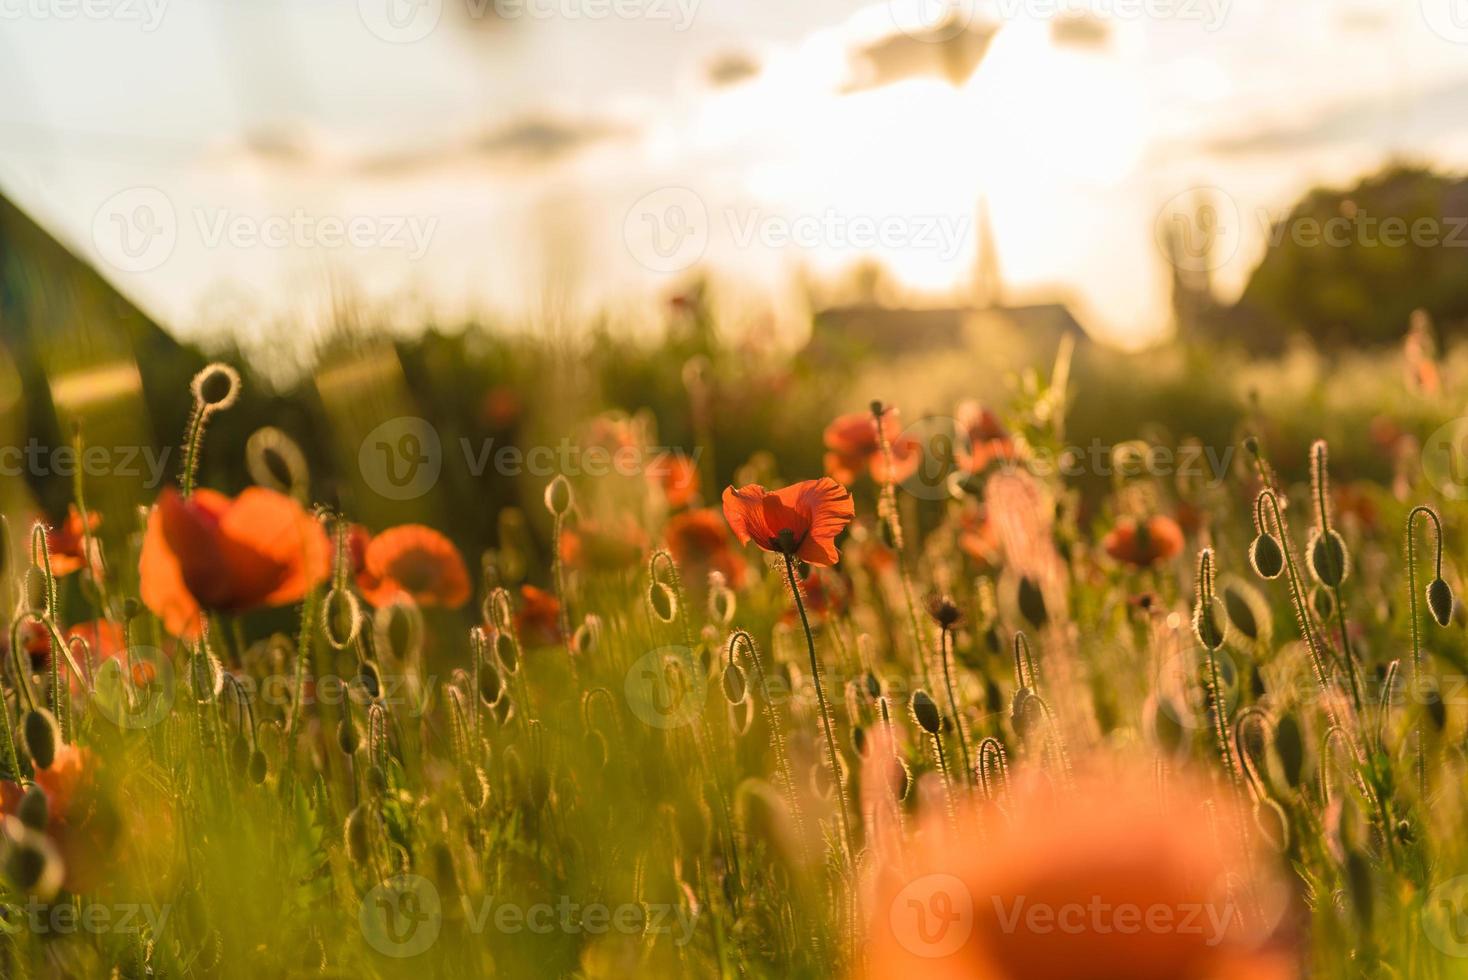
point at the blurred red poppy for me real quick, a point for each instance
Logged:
(106, 640)
(1157, 539)
(594, 546)
(68, 541)
(538, 620)
(984, 438)
(81, 823)
(852, 444)
(802, 520)
(415, 561)
(978, 536)
(700, 544)
(216, 553)
(676, 475)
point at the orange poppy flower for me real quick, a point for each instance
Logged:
(412, 560)
(593, 546)
(852, 444)
(676, 475)
(211, 552)
(1104, 882)
(802, 520)
(1142, 544)
(68, 541)
(538, 620)
(700, 544)
(985, 440)
(978, 537)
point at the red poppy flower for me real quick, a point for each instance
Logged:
(978, 537)
(802, 520)
(80, 822)
(593, 546)
(853, 446)
(411, 560)
(1089, 885)
(1142, 544)
(985, 440)
(67, 542)
(538, 620)
(211, 552)
(677, 476)
(700, 544)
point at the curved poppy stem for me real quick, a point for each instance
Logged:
(815, 669)
(945, 643)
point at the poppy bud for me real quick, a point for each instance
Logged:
(583, 641)
(215, 387)
(722, 602)
(34, 810)
(735, 686)
(490, 685)
(661, 599)
(258, 767)
(944, 612)
(1330, 562)
(1166, 728)
(925, 712)
(1237, 603)
(31, 862)
(1251, 445)
(38, 729)
(342, 620)
(558, 496)
(346, 735)
(1209, 623)
(873, 686)
(239, 753)
(131, 608)
(1437, 711)
(901, 779)
(859, 740)
(371, 680)
(1032, 603)
(359, 843)
(1273, 825)
(1440, 601)
(1266, 556)
(473, 785)
(1322, 602)
(1289, 746)
(506, 652)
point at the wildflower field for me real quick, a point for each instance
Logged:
(733, 671)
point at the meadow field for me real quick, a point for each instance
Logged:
(684, 659)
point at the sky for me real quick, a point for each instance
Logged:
(236, 166)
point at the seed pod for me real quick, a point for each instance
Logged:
(925, 712)
(38, 729)
(1440, 601)
(1330, 561)
(490, 684)
(558, 496)
(735, 684)
(371, 680)
(1024, 715)
(34, 810)
(1266, 556)
(258, 767)
(346, 734)
(660, 598)
(1210, 624)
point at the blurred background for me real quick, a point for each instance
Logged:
(498, 215)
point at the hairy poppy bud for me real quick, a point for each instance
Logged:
(1240, 601)
(506, 652)
(35, 809)
(1210, 625)
(722, 603)
(1440, 601)
(1270, 818)
(1437, 711)
(490, 684)
(735, 685)
(558, 496)
(1289, 747)
(31, 862)
(1032, 602)
(661, 599)
(1322, 602)
(859, 740)
(258, 767)
(1330, 562)
(239, 753)
(346, 735)
(473, 785)
(1266, 556)
(359, 843)
(370, 679)
(584, 640)
(925, 712)
(39, 731)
